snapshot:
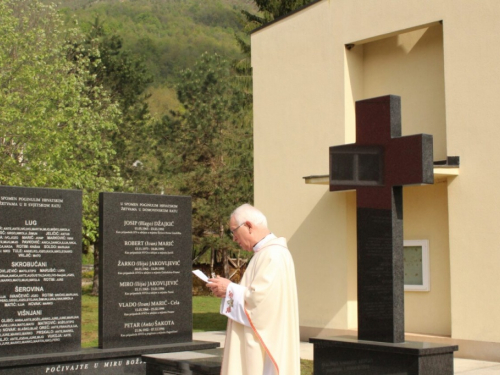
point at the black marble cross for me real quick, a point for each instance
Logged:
(377, 166)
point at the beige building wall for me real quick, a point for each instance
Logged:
(443, 58)
(289, 145)
(425, 214)
(411, 66)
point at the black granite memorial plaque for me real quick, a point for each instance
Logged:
(348, 356)
(112, 366)
(40, 270)
(94, 361)
(145, 273)
(199, 362)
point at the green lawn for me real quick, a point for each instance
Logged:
(206, 317)
(90, 309)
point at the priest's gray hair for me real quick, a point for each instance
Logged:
(247, 212)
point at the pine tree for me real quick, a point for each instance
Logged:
(208, 152)
(269, 10)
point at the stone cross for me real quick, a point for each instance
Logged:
(377, 166)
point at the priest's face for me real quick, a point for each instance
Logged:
(241, 234)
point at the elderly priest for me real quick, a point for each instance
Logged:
(263, 327)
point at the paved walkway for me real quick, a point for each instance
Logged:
(461, 366)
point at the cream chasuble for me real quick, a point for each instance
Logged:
(263, 330)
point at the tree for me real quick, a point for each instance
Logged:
(272, 9)
(54, 125)
(125, 78)
(269, 10)
(208, 151)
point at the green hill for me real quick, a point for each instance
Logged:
(169, 35)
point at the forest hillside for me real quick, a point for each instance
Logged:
(169, 35)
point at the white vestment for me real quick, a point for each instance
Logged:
(263, 330)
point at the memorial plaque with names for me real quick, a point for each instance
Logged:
(145, 273)
(40, 270)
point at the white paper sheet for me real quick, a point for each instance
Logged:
(201, 275)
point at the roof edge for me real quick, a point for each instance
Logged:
(285, 16)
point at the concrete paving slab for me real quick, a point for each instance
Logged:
(472, 367)
(217, 336)
(306, 351)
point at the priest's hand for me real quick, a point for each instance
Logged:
(218, 286)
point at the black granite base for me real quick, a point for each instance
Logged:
(347, 355)
(199, 362)
(94, 361)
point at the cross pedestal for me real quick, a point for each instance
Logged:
(377, 166)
